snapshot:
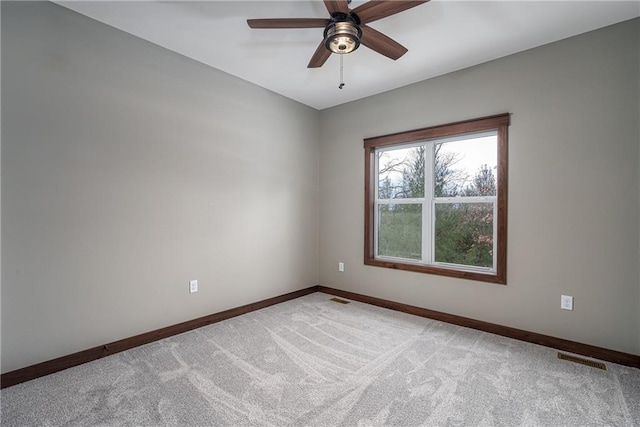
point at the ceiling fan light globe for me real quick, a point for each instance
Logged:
(342, 37)
(342, 44)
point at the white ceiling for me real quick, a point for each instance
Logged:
(442, 36)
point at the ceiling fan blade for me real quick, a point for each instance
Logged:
(378, 9)
(320, 56)
(375, 40)
(334, 6)
(288, 23)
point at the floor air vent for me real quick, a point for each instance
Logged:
(341, 301)
(582, 361)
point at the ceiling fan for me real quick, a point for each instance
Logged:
(347, 28)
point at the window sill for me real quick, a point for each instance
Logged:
(430, 269)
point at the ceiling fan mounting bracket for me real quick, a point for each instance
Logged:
(341, 17)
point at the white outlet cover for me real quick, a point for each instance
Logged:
(193, 286)
(341, 266)
(566, 302)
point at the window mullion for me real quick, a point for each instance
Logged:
(376, 205)
(427, 207)
(465, 199)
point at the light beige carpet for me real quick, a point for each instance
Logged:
(311, 361)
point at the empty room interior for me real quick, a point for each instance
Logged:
(208, 218)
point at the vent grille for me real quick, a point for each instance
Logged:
(341, 301)
(582, 361)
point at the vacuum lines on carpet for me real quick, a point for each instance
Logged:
(313, 362)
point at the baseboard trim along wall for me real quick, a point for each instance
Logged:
(505, 331)
(51, 366)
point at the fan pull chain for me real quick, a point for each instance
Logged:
(341, 73)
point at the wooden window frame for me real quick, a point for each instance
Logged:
(498, 123)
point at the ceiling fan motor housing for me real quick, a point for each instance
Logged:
(342, 34)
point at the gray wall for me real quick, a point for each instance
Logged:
(128, 170)
(573, 188)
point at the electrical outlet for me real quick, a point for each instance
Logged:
(566, 302)
(341, 266)
(193, 286)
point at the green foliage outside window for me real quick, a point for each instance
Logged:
(464, 234)
(400, 232)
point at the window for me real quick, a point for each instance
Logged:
(436, 200)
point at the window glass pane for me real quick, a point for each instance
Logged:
(464, 233)
(466, 167)
(400, 230)
(401, 173)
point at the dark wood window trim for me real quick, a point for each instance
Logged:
(499, 123)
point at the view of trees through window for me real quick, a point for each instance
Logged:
(436, 199)
(448, 186)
